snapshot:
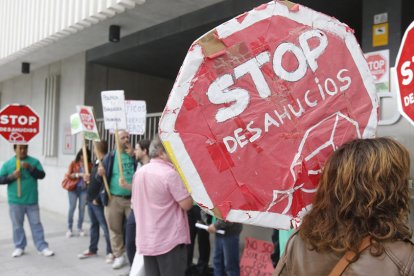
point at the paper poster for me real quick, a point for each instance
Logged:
(379, 65)
(113, 108)
(256, 258)
(136, 115)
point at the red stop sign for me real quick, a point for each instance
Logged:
(405, 73)
(18, 123)
(259, 104)
(377, 65)
(87, 118)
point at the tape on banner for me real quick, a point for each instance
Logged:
(171, 154)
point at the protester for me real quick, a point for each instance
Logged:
(27, 203)
(203, 240)
(77, 171)
(276, 248)
(141, 155)
(160, 203)
(96, 210)
(362, 202)
(226, 258)
(118, 208)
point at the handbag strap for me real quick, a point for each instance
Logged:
(343, 263)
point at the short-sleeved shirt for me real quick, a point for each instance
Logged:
(128, 167)
(161, 224)
(29, 193)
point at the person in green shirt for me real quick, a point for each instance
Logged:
(118, 208)
(27, 203)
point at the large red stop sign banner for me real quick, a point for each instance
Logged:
(405, 74)
(259, 104)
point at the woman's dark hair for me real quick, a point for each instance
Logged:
(144, 145)
(363, 191)
(102, 146)
(79, 155)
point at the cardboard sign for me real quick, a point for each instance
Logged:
(18, 123)
(113, 107)
(88, 123)
(75, 124)
(379, 65)
(259, 104)
(256, 258)
(136, 114)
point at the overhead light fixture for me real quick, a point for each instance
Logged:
(25, 68)
(114, 33)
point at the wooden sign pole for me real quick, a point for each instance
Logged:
(19, 185)
(118, 153)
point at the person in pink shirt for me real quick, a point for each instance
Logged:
(161, 201)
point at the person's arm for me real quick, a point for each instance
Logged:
(186, 203)
(34, 172)
(102, 169)
(7, 179)
(124, 184)
(221, 224)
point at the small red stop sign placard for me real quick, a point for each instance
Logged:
(87, 118)
(405, 74)
(259, 104)
(18, 123)
(377, 65)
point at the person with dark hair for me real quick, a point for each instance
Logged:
(276, 248)
(76, 171)
(119, 207)
(195, 214)
(161, 202)
(141, 155)
(358, 224)
(226, 259)
(96, 209)
(27, 203)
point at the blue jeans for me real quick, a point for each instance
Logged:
(130, 237)
(80, 194)
(17, 213)
(226, 255)
(96, 215)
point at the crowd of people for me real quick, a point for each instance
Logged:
(358, 224)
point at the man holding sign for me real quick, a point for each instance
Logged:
(119, 206)
(27, 203)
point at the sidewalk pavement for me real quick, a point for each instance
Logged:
(64, 263)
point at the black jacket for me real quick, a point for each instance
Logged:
(94, 186)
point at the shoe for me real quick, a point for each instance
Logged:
(109, 258)
(47, 252)
(119, 262)
(81, 233)
(69, 234)
(86, 254)
(17, 252)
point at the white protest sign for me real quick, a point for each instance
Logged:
(113, 107)
(136, 113)
(88, 123)
(75, 124)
